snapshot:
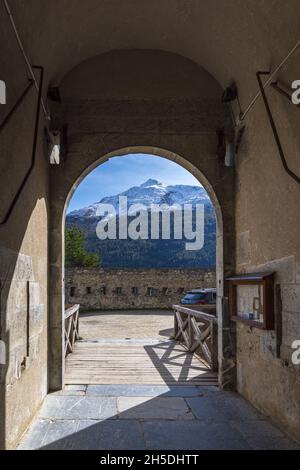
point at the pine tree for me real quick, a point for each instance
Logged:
(75, 252)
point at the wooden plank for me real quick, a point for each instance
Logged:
(161, 363)
(70, 311)
(195, 313)
(106, 356)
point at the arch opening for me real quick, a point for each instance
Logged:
(183, 163)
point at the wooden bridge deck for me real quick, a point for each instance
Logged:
(133, 348)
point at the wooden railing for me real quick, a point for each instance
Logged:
(71, 327)
(198, 331)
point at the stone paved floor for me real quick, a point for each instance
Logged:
(129, 417)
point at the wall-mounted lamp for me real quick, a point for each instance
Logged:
(2, 92)
(53, 145)
(55, 135)
(225, 148)
(229, 159)
(229, 95)
(55, 155)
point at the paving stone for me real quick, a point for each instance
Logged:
(102, 435)
(222, 409)
(81, 388)
(160, 420)
(269, 443)
(84, 435)
(153, 408)
(76, 390)
(256, 429)
(73, 407)
(74, 393)
(34, 437)
(211, 390)
(189, 435)
(143, 390)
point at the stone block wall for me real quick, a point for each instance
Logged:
(108, 289)
(23, 335)
(265, 357)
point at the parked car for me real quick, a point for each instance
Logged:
(199, 297)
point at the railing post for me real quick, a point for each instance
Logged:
(189, 331)
(71, 328)
(214, 345)
(175, 324)
(196, 335)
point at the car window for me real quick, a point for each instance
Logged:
(195, 296)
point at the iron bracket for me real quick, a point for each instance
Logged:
(273, 127)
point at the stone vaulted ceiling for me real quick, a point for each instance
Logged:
(231, 39)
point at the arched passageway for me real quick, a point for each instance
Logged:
(154, 99)
(188, 139)
(141, 325)
(59, 306)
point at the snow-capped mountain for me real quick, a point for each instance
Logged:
(152, 192)
(156, 253)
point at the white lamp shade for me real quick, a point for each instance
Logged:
(2, 92)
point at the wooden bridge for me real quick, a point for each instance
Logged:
(141, 347)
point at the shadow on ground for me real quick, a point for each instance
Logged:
(130, 417)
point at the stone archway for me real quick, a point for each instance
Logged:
(63, 192)
(141, 100)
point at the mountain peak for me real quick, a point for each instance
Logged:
(149, 182)
(150, 192)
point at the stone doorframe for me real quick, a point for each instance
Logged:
(200, 160)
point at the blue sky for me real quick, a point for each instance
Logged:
(120, 173)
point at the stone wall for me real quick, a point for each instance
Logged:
(24, 341)
(23, 249)
(267, 239)
(115, 289)
(265, 357)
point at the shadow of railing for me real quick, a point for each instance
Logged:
(177, 366)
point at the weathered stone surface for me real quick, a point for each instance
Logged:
(218, 420)
(298, 272)
(243, 247)
(143, 390)
(257, 429)
(291, 298)
(24, 374)
(73, 407)
(84, 435)
(290, 328)
(284, 269)
(198, 435)
(255, 381)
(153, 408)
(227, 408)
